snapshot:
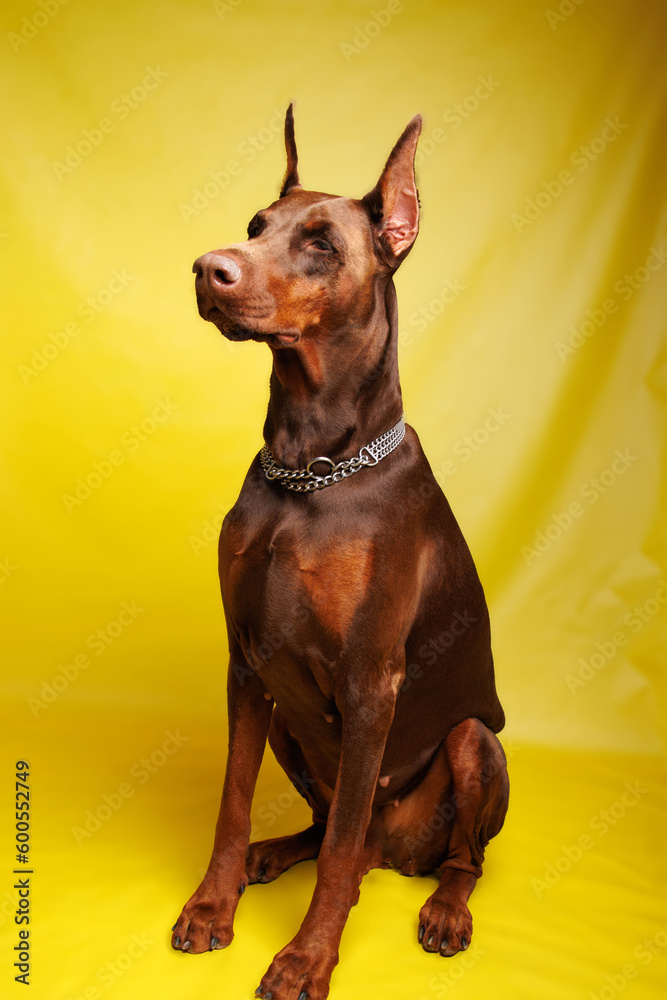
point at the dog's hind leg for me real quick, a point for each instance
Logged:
(267, 859)
(477, 797)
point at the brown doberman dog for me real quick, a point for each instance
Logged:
(358, 630)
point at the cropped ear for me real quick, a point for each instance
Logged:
(394, 203)
(291, 181)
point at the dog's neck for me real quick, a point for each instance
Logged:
(331, 398)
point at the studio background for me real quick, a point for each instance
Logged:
(137, 136)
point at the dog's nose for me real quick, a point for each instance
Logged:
(219, 270)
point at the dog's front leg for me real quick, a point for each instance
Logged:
(206, 920)
(303, 968)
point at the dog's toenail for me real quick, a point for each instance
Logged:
(258, 991)
(443, 946)
(303, 995)
(422, 931)
(241, 890)
(214, 943)
(177, 942)
(430, 941)
(186, 945)
(261, 873)
(175, 926)
(268, 996)
(464, 943)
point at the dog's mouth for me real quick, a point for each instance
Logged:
(238, 333)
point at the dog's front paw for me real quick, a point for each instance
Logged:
(205, 923)
(445, 926)
(298, 973)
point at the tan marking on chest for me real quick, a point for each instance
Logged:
(337, 580)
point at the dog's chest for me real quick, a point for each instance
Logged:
(291, 592)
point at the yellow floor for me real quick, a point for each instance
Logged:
(571, 903)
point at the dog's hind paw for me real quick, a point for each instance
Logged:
(445, 927)
(267, 859)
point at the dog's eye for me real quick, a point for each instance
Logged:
(254, 228)
(322, 245)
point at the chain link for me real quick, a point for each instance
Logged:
(304, 480)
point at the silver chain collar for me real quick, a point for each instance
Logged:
(304, 480)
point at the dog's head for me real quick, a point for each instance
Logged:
(314, 264)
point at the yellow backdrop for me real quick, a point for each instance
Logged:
(138, 136)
